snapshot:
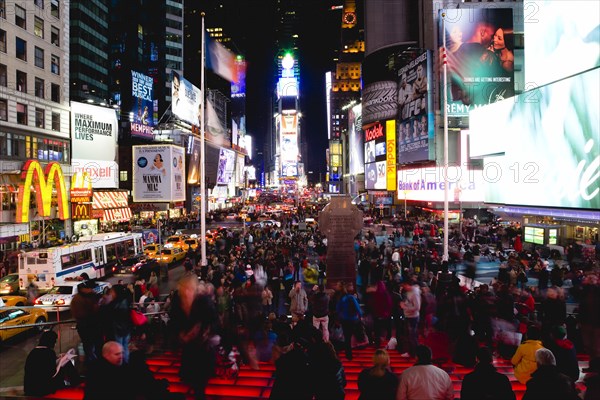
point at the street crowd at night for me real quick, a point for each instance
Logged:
(264, 297)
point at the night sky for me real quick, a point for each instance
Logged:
(319, 34)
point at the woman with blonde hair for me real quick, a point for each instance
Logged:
(378, 382)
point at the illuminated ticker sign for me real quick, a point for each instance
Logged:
(44, 182)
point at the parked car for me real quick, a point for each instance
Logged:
(171, 255)
(61, 295)
(9, 284)
(13, 301)
(18, 317)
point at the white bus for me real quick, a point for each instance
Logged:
(94, 255)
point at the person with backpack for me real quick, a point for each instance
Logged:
(349, 314)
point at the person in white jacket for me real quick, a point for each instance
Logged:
(424, 380)
(411, 306)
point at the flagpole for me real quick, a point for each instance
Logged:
(203, 261)
(445, 108)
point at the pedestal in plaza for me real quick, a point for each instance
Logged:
(340, 221)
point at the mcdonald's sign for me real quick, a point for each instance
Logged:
(44, 182)
(81, 185)
(81, 211)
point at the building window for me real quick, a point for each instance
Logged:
(21, 114)
(55, 93)
(3, 9)
(3, 110)
(55, 64)
(39, 88)
(21, 81)
(39, 3)
(123, 176)
(21, 49)
(20, 17)
(55, 8)
(2, 41)
(56, 121)
(3, 75)
(54, 36)
(39, 57)
(38, 27)
(40, 118)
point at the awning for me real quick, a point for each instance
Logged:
(117, 214)
(103, 200)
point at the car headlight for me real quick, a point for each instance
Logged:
(60, 302)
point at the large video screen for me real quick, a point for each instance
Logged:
(357, 161)
(480, 55)
(549, 149)
(226, 166)
(561, 39)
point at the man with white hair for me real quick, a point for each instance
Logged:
(547, 382)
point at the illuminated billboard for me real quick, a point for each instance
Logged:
(375, 156)
(549, 152)
(356, 155)
(562, 34)
(415, 110)
(142, 124)
(480, 56)
(94, 132)
(185, 99)
(158, 173)
(226, 166)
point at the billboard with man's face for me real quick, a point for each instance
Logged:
(415, 105)
(480, 56)
(185, 99)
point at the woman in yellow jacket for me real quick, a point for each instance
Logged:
(524, 359)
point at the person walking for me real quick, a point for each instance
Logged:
(349, 314)
(319, 306)
(412, 306)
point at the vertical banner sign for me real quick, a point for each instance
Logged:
(44, 183)
(194, 167)
(143, 105)
(158, 173)
(390, 138)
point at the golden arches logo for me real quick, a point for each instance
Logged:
(44, 181)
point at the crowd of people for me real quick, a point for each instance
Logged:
(254, 296)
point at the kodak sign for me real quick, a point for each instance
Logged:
(390, 162)
(44, 182)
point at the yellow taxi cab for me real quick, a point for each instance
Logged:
(18, 317)
(12, 301)
(152, 250)
(171, 255)
(190, 243)
(176, 241)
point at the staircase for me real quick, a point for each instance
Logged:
(251, 384)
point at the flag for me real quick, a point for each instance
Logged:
(220, 60)
(216, 127)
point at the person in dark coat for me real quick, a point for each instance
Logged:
(564, 352)
(592, 380)
(108, 377)
(41, 377)
(85, 309)
(378, 382)
(290, 368)
(116, 315)
(329, 377)
(547, 382)
(485, 383)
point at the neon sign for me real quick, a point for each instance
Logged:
(44, 182)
